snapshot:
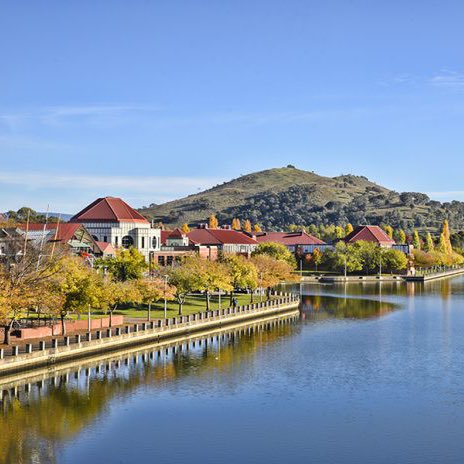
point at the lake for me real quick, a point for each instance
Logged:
(368, 373)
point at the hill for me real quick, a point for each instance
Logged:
(277, 198)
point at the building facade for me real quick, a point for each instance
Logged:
(112, 220)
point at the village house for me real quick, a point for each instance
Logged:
(373, 234)
(111, 220)
(297, 242)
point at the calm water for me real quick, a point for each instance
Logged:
(366, 375)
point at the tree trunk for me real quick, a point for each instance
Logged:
(63, 325)
(180, 308)
(6, 340)
(111, 319)
(231, 298)
(252, 293)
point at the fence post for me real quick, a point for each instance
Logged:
(78, 339)
(109, 333)
(29, 348)
(41, 345)
(55, 343)
(99, 335)
(118, 330)
(66, 341)
(15, 350)
(2, 353)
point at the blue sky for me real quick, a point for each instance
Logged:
(152, 100)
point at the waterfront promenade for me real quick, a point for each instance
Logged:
(61, 349)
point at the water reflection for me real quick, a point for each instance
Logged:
(42, 412)
(319, 307)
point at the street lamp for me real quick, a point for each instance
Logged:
(166, 277)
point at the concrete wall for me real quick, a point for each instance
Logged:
(71, 326)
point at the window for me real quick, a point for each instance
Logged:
(116, 241)
(143, 242)
(127, 241)
(169, 260)
(95, 238)
(105, 238)
(161, 260)
(154, 242)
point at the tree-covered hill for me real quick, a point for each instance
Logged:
(278, 198)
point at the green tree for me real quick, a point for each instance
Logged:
(394, 260)
(399, 236)
(277, 251)
(348, 229)
(344, 257)
(388, 230)
(128, 264)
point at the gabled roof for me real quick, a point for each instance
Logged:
(290, 238)
(369, 234)
(219, 237)
(108, 209)
(62, 232)
(106, 247)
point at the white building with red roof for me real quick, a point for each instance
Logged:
(112, 220)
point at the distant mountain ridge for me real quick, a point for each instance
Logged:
(279, 197)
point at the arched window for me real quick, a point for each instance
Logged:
(95, 238)
(127, 241)
(154, 242)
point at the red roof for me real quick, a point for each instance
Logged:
(290, 238)
(369, 234)
(164, 235)
(219, 237)
(106, 247)
(65, 231)
(108, 209)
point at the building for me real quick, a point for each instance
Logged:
(215, 241)
(296, 242)
(75, 236)
(112, 220)
(373, 234)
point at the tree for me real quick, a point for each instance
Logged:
(429, 245)
(344, 257)
(152, 290)
(339, 232)
(272, 271)
(78, 285)
(394, 260)
(447, 238)
(214, 276)
(317, 257)
(369, 253)
(185, 279)
(126, 265)
(257, 228)
(117, 293)
(213, 222)
(243, 274)
(277, 251)
(247, 226)
(185, 228)
(442, 245)
(348, 229)
(388, 230)
(416, 240)
(236, 225)
(399, 236)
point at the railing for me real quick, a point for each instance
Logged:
(438, 270)
(154, 328)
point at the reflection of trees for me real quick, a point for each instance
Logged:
(319, 307)
(33, 425)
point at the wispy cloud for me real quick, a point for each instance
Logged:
(68, 190)
(447, 78)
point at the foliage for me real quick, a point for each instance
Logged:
(243, 274)
(416, 241)
(257, 228)
(128, 264)
(213, 222)
(348, 229)
(429, 244)
(185, 228)
(236, 224)
(247, 226)
(272, 271)
(276, 250)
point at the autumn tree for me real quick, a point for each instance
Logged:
(429, 245)
(276, 250)
(213, 222)
(152, 290)
(243, 274)
(236, 224)
(214, 276)
(388, 230)
(116, 293)
(257, 228)
(416, 240)
(247, 226)
(399, 236)
(185, 228)
(317, 257)
(348, 229)
(272, 271)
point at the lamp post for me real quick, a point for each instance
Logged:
(166, 277)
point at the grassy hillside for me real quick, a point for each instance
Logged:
(277, 198)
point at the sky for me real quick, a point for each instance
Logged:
(153, 100)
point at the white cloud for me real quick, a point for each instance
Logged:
(71, 192)
(447, 78)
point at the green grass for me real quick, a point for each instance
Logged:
(193, 304)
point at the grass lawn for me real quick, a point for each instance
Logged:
(193, 304)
